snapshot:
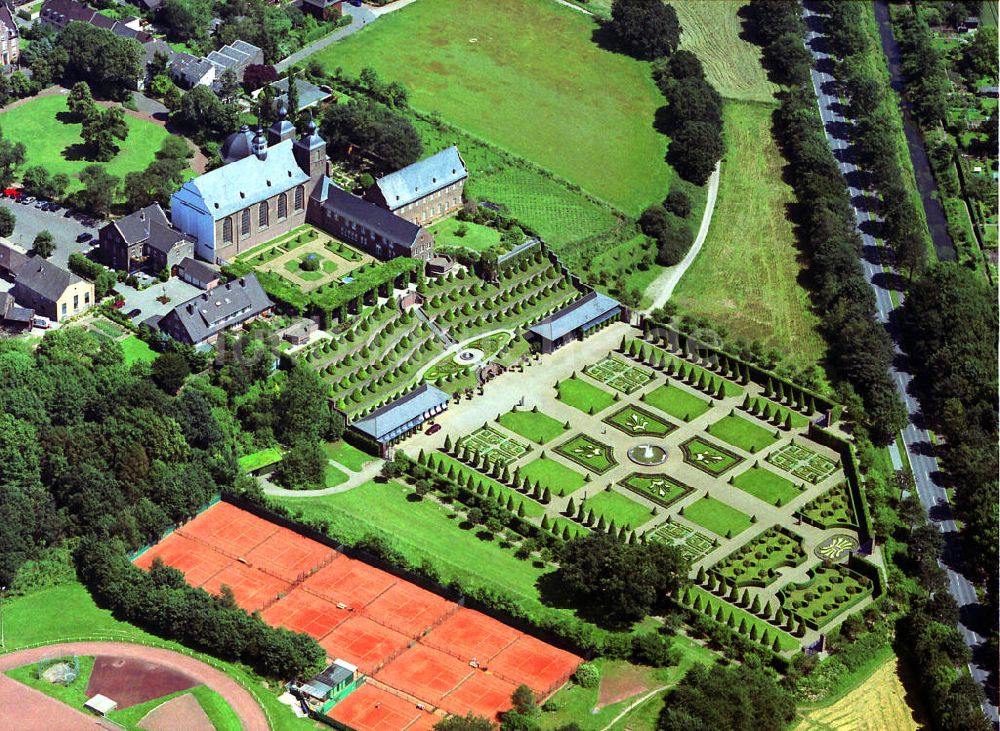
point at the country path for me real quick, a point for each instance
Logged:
(663, 286)
(242, 702)
(368, 472)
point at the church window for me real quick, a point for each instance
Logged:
(245, 222)
(227, 231)
(282, 206)
(262, 216)
(300, 194)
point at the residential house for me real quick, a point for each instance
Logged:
(191, 71)
(10, 39)
(323, 9)
(51, 290)
(393, 422)
(309, 94)
(201, 319)
(11, 259)
(14, 318)
(575, 321)
(144, 241)
(425, 190)
(198, 273)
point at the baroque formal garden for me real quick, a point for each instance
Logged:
(753, 488)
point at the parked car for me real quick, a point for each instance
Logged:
(433, 429)
(134, 312)
(85, 236)
(27, 200)
(41, 322)
(41, 203)
(54, 206)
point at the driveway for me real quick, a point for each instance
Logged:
(178, 291)
(31, 221)
(360, 17)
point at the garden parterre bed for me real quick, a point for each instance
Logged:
(803, 463)
(767, 486)
(532, 425)
(755, 563)
(638, 422)
(494, 446)
(676, 402)
(663, 490)
(717, 517)
(618, 509)
(742, 433)
(588, 452)
(619, 374)
(833, 508)
(548, 473)
(830, 592)
(583, 396)
(692, 544)
(708, 457)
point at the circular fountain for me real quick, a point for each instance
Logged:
(469, 356)
(647, 455)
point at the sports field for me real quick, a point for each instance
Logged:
(363, 614)
(748, 271)
(527, 76)
(58, 146)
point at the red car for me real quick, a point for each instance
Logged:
(433, 429)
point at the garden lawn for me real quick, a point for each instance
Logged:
(259, 459)
(535, 426)
(742, 433)
(747, 275)
(423, 531)
(347, 455)
(136, 351)
(717, 517)
(332, 476)
(623, 511)
(477, 237)
(68, 612)
(764, 484)
(561, 480)
(527, 76)
(676, 402)
(584, 396)
(57, 146)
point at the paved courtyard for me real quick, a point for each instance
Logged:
(31, 221)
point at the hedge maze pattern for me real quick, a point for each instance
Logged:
(619, 374)
(692, 544)
(494, 446)
(755, 563)
(803, 463)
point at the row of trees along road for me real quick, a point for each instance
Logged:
(860, 349)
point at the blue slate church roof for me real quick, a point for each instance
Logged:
(422, 178)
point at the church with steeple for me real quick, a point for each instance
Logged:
(273, 182)
(261, 191)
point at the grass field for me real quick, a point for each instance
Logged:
(68, 612)
(560, 479)
(676, 402)
(747, 274)
(57, 146)
(584, 396)
(527, 76)
(424, 531)
(136, 351)
(533, 425)
(717, 517)
(742, 433)
(624, 511)
(259, 459)
(349, 456)
(766, 485)
(476, 237)
(879, 702)
(332, 476)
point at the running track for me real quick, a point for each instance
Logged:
(21, 712)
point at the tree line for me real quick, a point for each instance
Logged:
(860, 349)
(116, 455)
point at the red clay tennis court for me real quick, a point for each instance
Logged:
(374, 709)
(196, 561)
(289, 555)
(425, 673)
(537, 664)
(483, 694)
(348, 581)
(469, 635)
(230, 530)
(363, 642)
(408, 609)
(253, 589)
(301, 611)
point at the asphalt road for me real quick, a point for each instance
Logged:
(916, 440)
